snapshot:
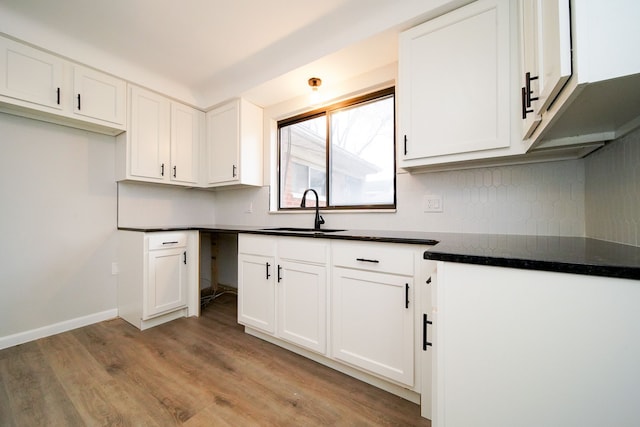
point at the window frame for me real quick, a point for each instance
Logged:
(327, 111)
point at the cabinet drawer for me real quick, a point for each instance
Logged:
(387, 258)
(257, 245)
(167, 240)
(301, 249)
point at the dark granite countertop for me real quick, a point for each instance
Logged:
(411, 237)
(575, 255)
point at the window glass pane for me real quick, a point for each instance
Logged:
(362, 154)
(303, 161)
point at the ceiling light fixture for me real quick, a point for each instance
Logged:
(314, 83)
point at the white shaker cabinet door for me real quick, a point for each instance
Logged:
(302, 290)
(223, 140)
(454, 79)
(372, 322)
(31, 75)
(187, 128)
(167, 282)
(149, 135)
(256, 292)
(98, 95)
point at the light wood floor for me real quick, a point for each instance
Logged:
(195, 372)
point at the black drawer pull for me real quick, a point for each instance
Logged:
(375, 261)
(425, 341)
(406, 295)
(169, 243)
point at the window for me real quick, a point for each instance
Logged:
(346, 152)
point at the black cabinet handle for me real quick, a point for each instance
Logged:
(525, 111)
(58, 96)
(406, 295)
(375, 261)
(268, 265)
(162, 169)
(174, 171)
(425, 322)
(78, 102)
(527, 84)
(185, 257)
(429, 281)
(234, 171)
(279, 270)
(405, 145)
(169, 243)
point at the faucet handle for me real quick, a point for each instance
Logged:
(321, 220)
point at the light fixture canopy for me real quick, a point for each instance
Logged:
(315, 83)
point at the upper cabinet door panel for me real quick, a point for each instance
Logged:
(223, 135)
(149, 134)
(30, 75)
(98, 95)
(454, 81)
(554, 43)
(186, 130)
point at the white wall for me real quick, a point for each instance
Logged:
(613, 191)
(58, 224)
(152, 205)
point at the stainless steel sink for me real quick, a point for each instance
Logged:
(302, 230)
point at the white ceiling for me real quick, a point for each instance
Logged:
(206, 51)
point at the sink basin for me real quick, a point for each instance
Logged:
(302, 230)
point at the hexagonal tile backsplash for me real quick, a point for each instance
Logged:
(613, 191)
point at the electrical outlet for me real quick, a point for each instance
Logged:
(114, 268)
(432, 203)
(249, 208)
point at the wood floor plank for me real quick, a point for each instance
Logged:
(196, 372)
(35, 395)
(100, 399)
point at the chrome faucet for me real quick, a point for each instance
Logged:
(318, 219)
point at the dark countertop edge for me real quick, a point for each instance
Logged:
(362, 235)
(619, 272)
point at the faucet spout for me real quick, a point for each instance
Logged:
(303, 204)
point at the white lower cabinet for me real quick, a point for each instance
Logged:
(282, 287)
(157, 274)
(534, 348)
(351, 305)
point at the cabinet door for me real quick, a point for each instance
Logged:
(302, 290)
(554, 43)
(530, 66)
(30, 75)
(186, 128)
(362, 335)
(167, 281)
(98, 95)
(256, 292)
(223, 143)
(149, 135)
(454, 82)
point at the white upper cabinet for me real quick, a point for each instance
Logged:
(454, 84)
(40, 85)
(187, 133)
(99, 96)
(148, 135)
(589, 77)
(234, 144)
(30, 74)
(163, 141)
